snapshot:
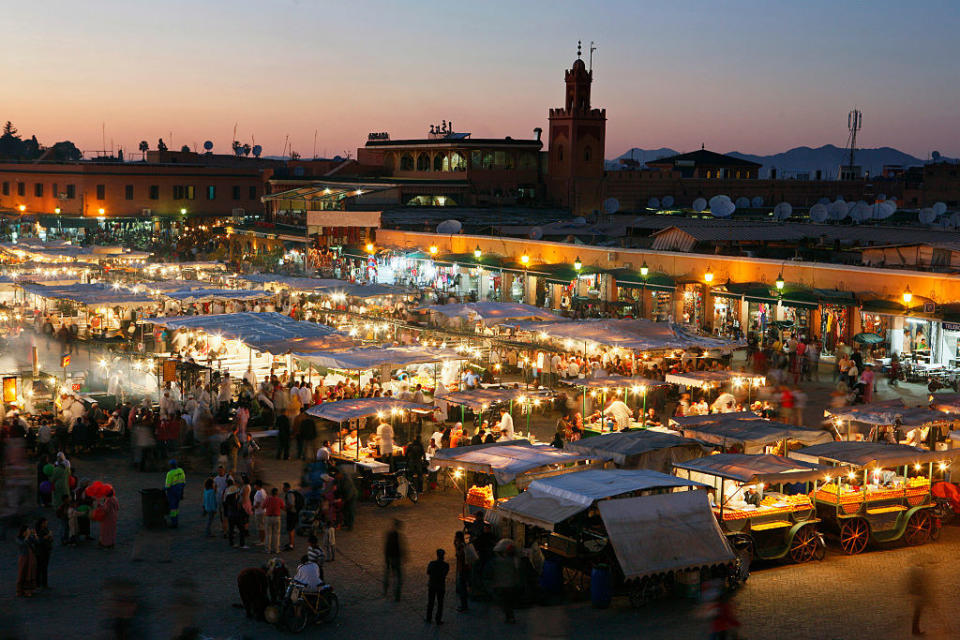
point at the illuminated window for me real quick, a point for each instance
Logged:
(211, 192)
(487, 162)
(476, 158)
(709, 174)
(500, 159)
(458, 162)
(191, 192)
(738, 174)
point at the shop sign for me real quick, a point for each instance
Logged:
(951, 326)
(75, 387)
(929, 307)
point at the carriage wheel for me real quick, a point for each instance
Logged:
(576, 580)
(919, 528)
(854, 535)
(803, 547)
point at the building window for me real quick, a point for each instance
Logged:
(487, 162)
(190, 192)
(438, 161)
(458, 162)
(500, 159)
(101, 191)
(211, 192)
(71, 191)
(154, 192)
(236, 192)
(709, 174)
(128, 192)
(406, 162)
(587, 154)
(528, 161)
(423, 162)
(178, 192)
(21, 188)
(560, 153)
(54, 191)
(38, 190)
(738, 175)
(6, 188)
(253, 192)
(475, 159)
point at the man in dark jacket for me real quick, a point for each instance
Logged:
(436, 586)
(416, 462)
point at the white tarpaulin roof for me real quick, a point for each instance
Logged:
(886, 413)
(477, 398)
(745, 467)
(639, 449)
(506, 461)
(617, 382)
(491, 312)
(301, 284)
(374, 357)
(551, 500)
(266, 331)
(90, 295)
(344, 410)
(872, 454)
(636, 334)
(750, 432)
(166, 286)
(664, 532)
(203, 295)
(946, 402)
(709, 378)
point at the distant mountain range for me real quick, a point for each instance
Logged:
(797, 160)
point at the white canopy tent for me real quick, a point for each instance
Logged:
(506, 462)
(344, 410)
(665, 532)
(548, 501)
(490, 313)
(367, 358)
(632, 334)
(89, 295)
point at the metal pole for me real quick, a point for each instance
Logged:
(643, 420)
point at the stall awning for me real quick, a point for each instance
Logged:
(491, 312)
(705, 379)
(871, 454)
(617, 382)
(486, 260)
(293, 282)
(479, 398)
(376, 357)
(266, 331)
(766, 468)
(663, 533)
(344, 410)
(642, 449)
(653, 281)
(506, 461)
(551, 500)
(205, 295)
(564, 273)
(89, 295)
(753, 433)
(639, 335)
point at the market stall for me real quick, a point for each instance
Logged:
(487, 313)
(617, 388)
(99, 310)
(893, 422)
(349, 446)
(746, 432)
(646, 449)
(479, 400)
(761, 503)
(630, 334)
(881, 494)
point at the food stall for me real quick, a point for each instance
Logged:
(893, 422)
(746, 432)
(761, 503)
(349, 446)
(488, 398)
(618, 388)
(646, 449)
(710, 382)
(561, 514)
(492, 473)
(91, 310)
(664, 539)
(883, 495)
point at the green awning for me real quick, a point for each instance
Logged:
(887, 307)
(354, 251)
(752, 291)
(835, 296)
(799, 297)
(628, 278)
(486, 260)
(563, 272)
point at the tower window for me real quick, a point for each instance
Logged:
(560, 153)
(587, 154)
(709, 174)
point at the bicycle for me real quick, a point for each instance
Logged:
(301, 607)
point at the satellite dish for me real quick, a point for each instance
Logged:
(653, 203)
(536, 233)
(699, 205)
(721, 207)
(926, 216)
(449, 227)
(955, 220)
(819, 213)
(885, 210)
(837, 209)
(757, 202)
(611, 206)
(579, 220)
(939, 208)
(208, 145)
(782, 211)
(881, 197)
(666, 202)
(257, 150)
(861, 211)
(823, 201)
(743, 203)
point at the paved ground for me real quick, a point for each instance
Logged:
(842, 598)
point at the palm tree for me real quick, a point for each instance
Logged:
(144, 147)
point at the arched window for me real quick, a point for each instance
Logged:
(528, 161)
(406, 162)
(389, 162)
(587, 154)
(458, 161)
(560, 153)
(423, 162)
(487, 162)
(438, 161)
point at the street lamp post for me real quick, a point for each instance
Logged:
(644, 270)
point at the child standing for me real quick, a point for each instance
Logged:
(209, 504)
(328, 540)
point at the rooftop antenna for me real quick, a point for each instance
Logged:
(315, 144)
(854, 124)
(579, 49)
(592, 49)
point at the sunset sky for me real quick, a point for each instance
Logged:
(669, 74)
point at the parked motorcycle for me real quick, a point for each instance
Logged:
(393, 486)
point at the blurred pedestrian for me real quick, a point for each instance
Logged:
(108, 525)
(273, 508)
(919, 593)
(462, 569)
(210, 507)
(174, 485)
(44, 549)
(437, 571)
(393, 555)
(26, 561)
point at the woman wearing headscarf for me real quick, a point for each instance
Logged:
(108, 525)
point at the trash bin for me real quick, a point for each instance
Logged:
(601, 589)
(551, 578)
(154, 502)
(689, 584)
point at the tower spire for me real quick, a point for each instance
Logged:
(579, 49)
